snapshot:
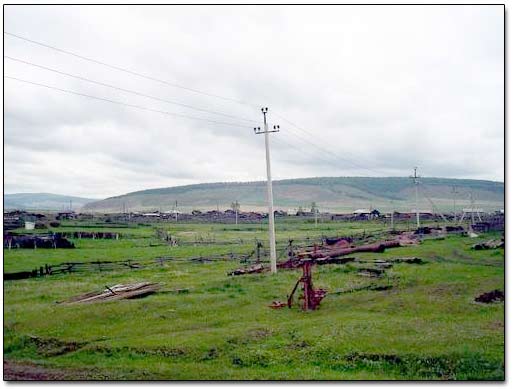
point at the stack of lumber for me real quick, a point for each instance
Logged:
(118, 292)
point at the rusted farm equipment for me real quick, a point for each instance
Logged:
(321, 254)
(311, 297)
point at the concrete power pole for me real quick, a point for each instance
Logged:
(235, 208)
(272, 238)
(314, 210)
(454, 192)
(415, 178)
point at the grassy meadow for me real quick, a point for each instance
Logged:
(425, 326)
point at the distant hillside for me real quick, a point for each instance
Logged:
(337, 194)
(43, 201)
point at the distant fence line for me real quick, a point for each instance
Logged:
(100, 266)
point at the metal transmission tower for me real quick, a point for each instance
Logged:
(472, 210)
(472, 207)
(272, 239)
(415, 178)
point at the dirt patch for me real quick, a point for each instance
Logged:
(445, 367)
(299, 345)
(490, 297)
(211, 354)
(410, 260)
(359, 357)
(259, 333)
(167, 352)
(446, 290)
(374, 287)
(496, 325)
(25, 371)
(50, 347)
(371, 272)
(251, 336)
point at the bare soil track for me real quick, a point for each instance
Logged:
(25, 371)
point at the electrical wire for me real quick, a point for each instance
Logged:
(435, 208)
(145, 76)
(302, 152)
(125, 70)
(321, 148)
(121, 103)
(125, 90)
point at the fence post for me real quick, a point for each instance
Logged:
(258, 246)
(290, 250)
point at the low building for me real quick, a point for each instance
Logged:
(362, 214)
(67, 215)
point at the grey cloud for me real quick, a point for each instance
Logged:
(387, 88)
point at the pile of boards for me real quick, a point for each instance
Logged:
(491, 244)
(257, 268)
(118, 292)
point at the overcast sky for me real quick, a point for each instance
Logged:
(356, 90)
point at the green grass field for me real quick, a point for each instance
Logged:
(427, 326)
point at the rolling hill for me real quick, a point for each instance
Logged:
(43, 201)
(336, 194)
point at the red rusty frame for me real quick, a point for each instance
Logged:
(311, 297)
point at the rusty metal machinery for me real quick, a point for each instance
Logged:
(311, 297)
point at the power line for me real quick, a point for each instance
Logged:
(125, 90)
(331, 154)
(325, 152)
(125, 70)
(118, 68)
(305, 151)
(121, 103)
(323, 149)
(435, 208)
